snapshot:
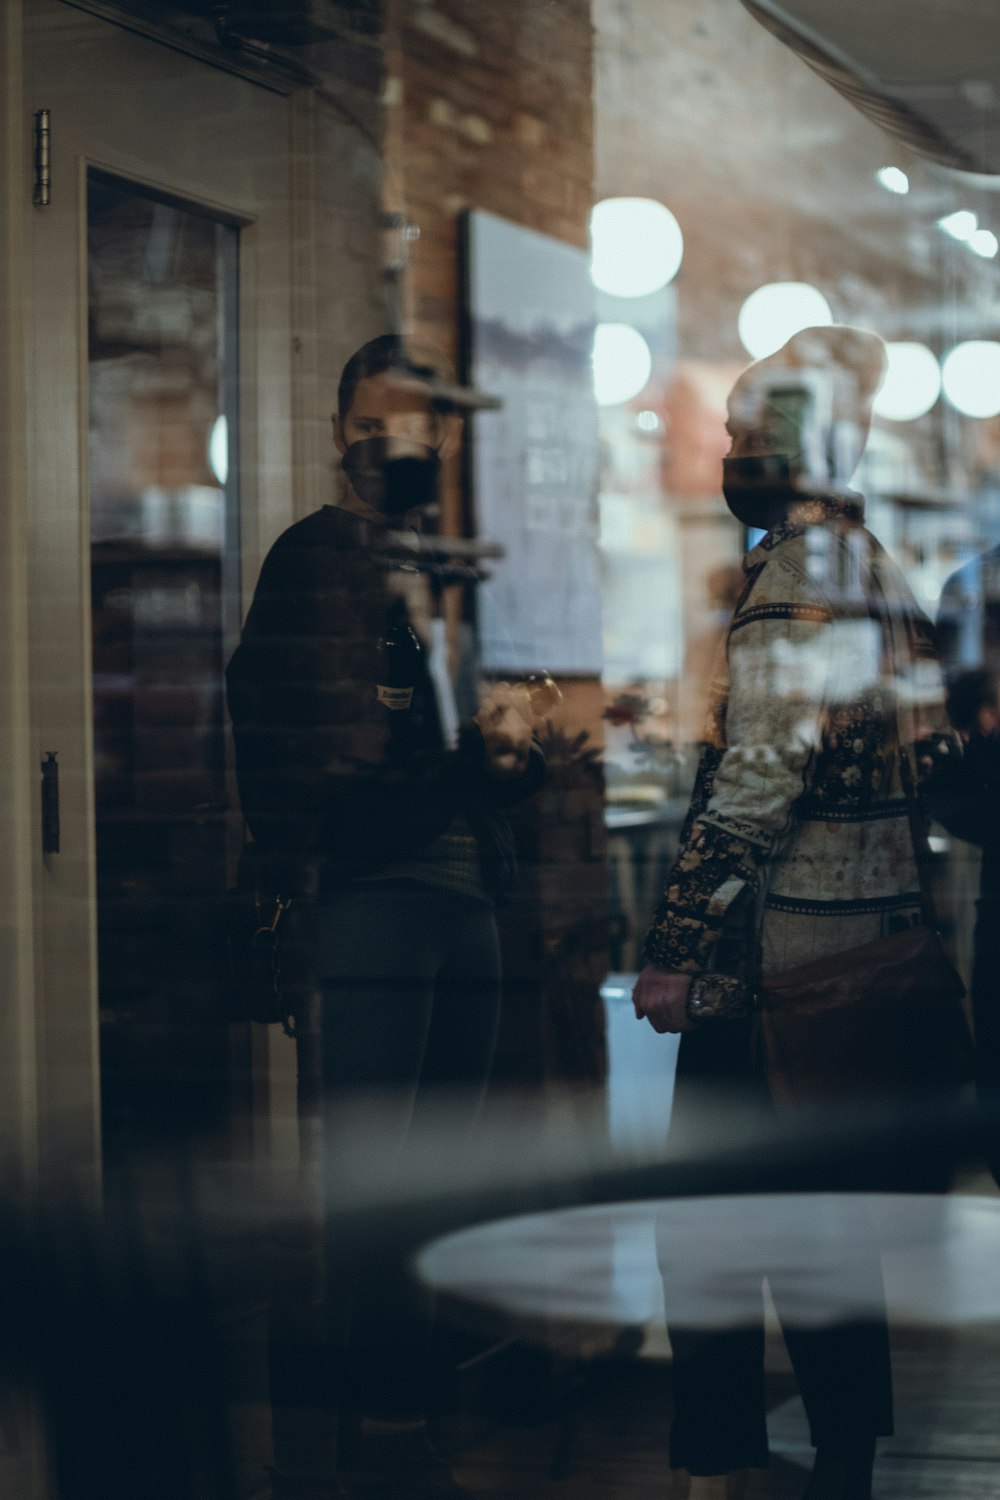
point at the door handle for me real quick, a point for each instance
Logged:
(50, 803)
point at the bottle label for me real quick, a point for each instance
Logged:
(394, 697)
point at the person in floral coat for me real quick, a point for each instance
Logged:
(797, 845)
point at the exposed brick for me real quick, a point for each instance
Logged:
(476, 129)
(495, 114)
(443, 113)
(469, 88)
(442, 28)
(392, 92)
(529, 130)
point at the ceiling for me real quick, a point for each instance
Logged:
(928, 71)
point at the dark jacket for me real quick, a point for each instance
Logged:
(966, 790)
(330, 779)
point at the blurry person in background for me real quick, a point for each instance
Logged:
(796, 848)
(393, 844)
(968, 617)
(964, 795)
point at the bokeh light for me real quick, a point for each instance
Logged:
(970, 375)
(773, 313)
(985, 243)
(961, 225)
(893, 179)
(636, 246)
(622, 363)
(218, 449)
(912, 383)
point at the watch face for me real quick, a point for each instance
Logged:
(723, 996)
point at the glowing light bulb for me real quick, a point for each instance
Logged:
(773, 313)
(970, 375)
(961, 225)
(893, 179)
(985, 243)
(636, 246)
(912, 383)
(218, 449)
(622, 363)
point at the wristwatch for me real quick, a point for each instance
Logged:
(718, 997)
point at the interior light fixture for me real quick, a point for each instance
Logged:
(622, 363)
(912, 383)
(893, 179)
(773, 313)
(961, 225)
(970, 376)
(985, 243)
(218, 449)
(636, 246)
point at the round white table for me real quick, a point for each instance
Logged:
(605, 1267)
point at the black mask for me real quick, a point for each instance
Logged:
(759, 489)
(393, 475)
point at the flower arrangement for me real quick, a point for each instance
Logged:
(653, 752)
(627, 709)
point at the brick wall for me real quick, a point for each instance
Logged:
(490, 106)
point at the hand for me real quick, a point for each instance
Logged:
(660, 995)
(505, 724)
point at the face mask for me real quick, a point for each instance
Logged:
(759, 490)
(391, 475)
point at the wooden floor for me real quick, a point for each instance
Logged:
(607, 1436)
(613, 1440)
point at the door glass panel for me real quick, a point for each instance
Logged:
(164, 569)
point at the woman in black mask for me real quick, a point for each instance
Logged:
(798, 423)
(797, 849)
(391, 833)
(390, 436)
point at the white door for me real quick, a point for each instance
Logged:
(160, 459)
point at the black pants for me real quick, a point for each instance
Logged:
(843, 1371)
(986, 1008)
(404, 1016)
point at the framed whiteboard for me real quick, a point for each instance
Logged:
(534, 462)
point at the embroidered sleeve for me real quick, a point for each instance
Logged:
(779, 654)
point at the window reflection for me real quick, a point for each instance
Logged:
(579, 220)
(163, 561)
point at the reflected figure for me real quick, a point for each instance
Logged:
(965, 797)
(797, 847)
(389, 833)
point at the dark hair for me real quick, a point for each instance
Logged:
(967, 694)
(389, 351)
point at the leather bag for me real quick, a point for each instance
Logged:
(884, 1021)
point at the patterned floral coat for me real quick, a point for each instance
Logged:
(797, 844)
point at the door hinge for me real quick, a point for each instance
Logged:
(50, 803)
(43, 161)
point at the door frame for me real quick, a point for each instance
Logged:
(23, 1465)
(270, 445)
(19, 823)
